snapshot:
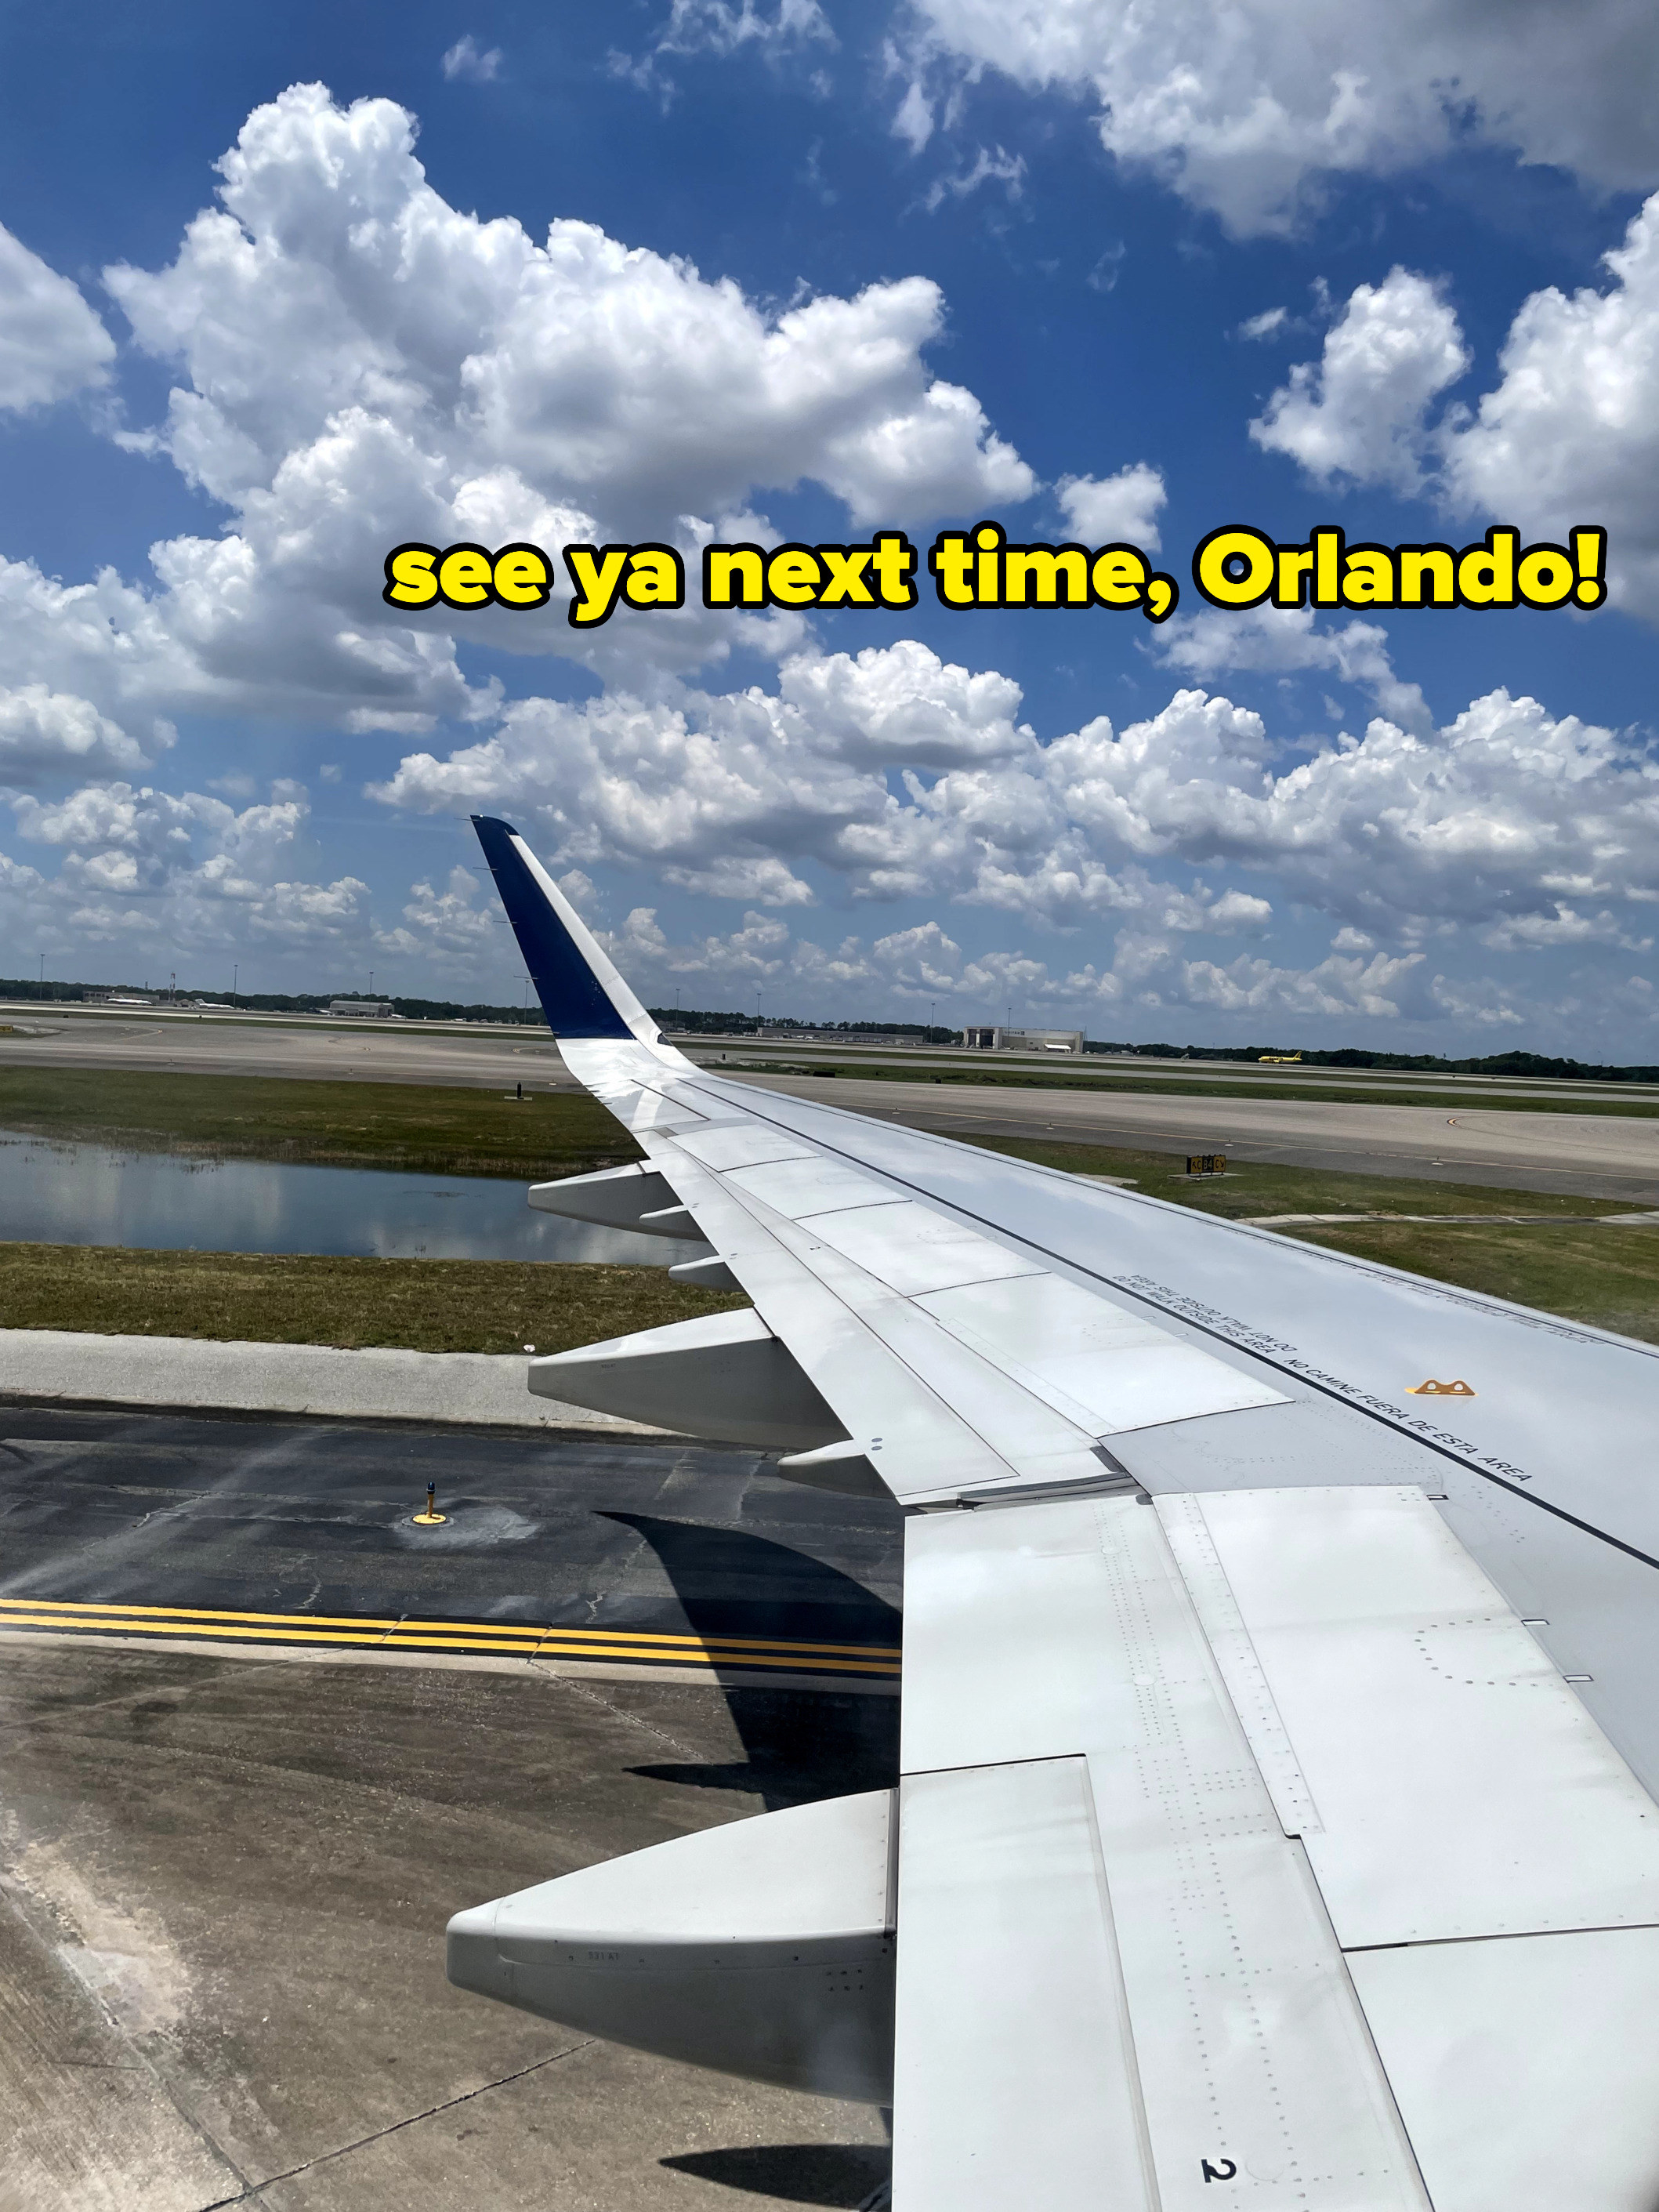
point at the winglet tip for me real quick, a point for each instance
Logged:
(581, 993)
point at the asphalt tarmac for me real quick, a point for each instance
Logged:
(223, 1881)
(1613, 1156)
(652, 1549)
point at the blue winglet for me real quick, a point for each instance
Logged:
(581, 993)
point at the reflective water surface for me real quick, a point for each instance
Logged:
(61, 1194)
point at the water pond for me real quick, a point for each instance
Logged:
(66, 1194)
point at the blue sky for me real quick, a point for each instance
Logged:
(276, 294)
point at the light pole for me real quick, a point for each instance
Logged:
(235, 977)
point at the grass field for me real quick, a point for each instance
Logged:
(1607, 1277)
(425, 1305)
(419, 1128)
(1249, 1190)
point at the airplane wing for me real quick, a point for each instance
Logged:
(1277, 1818)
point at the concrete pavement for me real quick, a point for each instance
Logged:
(474, 1389)
(223, 1883)
(223, 1886)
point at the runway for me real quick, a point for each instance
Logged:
(224, 1881)
(309, 1051)
(1612, 1155)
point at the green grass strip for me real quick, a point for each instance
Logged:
(421, 1305)
(419, 1128)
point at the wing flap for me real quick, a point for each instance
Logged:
(1010, 2004)
(1462, 1789)
(909, 1423)
(1054, 1647)
(1527, 2069)
(743, 1143)
(806, 1184)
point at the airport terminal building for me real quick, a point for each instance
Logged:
(1000, 1040)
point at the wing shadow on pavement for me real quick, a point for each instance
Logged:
(837, 2174)
(799, 1745)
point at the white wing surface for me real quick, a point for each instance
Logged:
(1276, 1820)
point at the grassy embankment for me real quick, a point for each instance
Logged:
(425, 1305)
(418, 1129)
(1565, 1265)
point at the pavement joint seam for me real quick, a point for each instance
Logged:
(96, 1705)
(251, 2190)
(650, 1727)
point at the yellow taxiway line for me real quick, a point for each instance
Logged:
(404, 1633)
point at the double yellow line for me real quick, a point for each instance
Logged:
(358, 1632)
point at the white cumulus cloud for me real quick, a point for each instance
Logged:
(145, 875)
(51, 344)
(1340, 985)
(1360, 412)
(893, 774)
(926, 973)
(1570, 433)
(1567, 436)
(1101, 510)
(45, 732)
(901, 703)
(1245, 106)
(1285, 640)
(357, 362)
